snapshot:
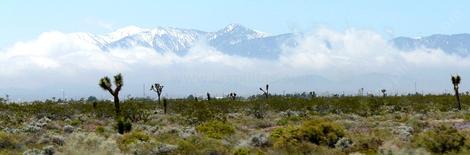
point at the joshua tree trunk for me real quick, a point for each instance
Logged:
(159, 99)
(116, 104)
(457, 96)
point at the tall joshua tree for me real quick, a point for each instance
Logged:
(456, 81)
(233, 96)
(157, 88)
(312, 94)
(265, 92)
(105, 83)
(384, 92)
(208, 96)
(259, 109)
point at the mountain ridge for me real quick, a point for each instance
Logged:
(236, 39)
(451, 43)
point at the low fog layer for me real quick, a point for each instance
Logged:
(325, 61)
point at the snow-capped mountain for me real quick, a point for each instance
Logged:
(457, 43)
(238, 40)
(233, 34)
(233, 39)
(160, 39)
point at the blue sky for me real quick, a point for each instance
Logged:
(24, 20)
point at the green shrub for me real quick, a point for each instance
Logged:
(8, 141)
(99, 129)
(215, 110)
(133, 111)
(201, 145)
(467, 117)
(248, 151)
(259, 109)
(319, 132)
(241, 151)
(441, 139)
(75, 122)
(286, 137)
(289, 119)
(131, 138)
(216, 129)
(367, 143)
(322, 132)
(123, 126)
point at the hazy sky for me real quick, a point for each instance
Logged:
(24, 20)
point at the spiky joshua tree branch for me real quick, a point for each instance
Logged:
(265, 92)
(106, 84)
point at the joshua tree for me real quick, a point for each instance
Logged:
(157, 88)
(233, 96)
(105, 83)
(456, 81)
(384, 92)
(259, 109)
(94, 105)
(312, 94)
(361, 92)
(208, 96)
(265, 92)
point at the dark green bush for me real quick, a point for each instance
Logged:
(99, 129)
(123, 125)
(441, 139)
(8, 141)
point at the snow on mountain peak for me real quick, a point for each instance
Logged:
(123, 32)
(233, 27)
(237, 28)
(163, 39)
(235, 33)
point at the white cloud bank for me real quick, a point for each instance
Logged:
(54, 61)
